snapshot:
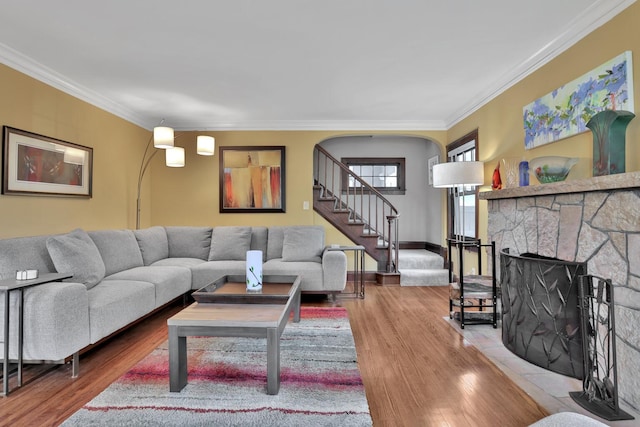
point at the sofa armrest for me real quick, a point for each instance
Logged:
(56, 321)
(334, 269)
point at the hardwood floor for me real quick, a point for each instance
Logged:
(416, 369)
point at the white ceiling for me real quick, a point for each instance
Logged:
(291, 64)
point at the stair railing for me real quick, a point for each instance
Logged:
(364, 203)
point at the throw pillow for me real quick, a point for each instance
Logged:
(189, 242)
(230, 243)
(259, 239)
(153, 244)
(118, 248)
(303, 244)
(275, 241)
(75, 253)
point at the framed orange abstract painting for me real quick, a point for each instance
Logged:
(252, 179)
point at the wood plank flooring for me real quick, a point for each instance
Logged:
(416, 369)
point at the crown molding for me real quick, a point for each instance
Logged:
(589, 20)
(322, 125)
(40, 72)
(26, 65)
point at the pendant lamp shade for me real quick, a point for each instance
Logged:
(175, 157)
(206, 145)
(162, 137)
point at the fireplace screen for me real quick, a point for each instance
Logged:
(540, 313)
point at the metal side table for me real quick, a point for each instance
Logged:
(358, 268)
(9, 285)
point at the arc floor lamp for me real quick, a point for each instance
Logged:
(163, 138)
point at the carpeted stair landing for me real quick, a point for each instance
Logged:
(421, 268)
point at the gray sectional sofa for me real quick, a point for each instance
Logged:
(123, 275)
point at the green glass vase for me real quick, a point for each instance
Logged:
(609, 128)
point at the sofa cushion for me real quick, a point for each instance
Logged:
(170, 282)
(153, 244)
(275, 242)
(311, 273)
(259, 237)
(208, 272)
(230, 243)
(77, 254)
(179, 262)
(114, 304)
(303, 244)
(189, 242)
(119, 249)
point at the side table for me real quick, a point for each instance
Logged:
(9, 285)
(358, 267)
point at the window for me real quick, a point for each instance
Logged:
(384, 174)
(462, 200)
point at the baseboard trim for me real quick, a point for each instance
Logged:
(369, 276)
(387, 279)
(431, 247)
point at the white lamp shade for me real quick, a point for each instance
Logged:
(162, 137)
(206, 145)
(174, 157)
(454, 174)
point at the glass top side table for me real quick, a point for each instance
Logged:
(9, 285)
(358, 268)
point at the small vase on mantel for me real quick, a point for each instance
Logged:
(609, 128)
(509, 172)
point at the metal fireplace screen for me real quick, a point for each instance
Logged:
(540, 312)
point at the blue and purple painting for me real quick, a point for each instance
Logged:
(566, 111)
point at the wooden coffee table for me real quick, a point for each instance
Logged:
(234, 312)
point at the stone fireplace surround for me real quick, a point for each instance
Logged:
(594, 220)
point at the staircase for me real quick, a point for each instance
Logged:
(420, 267)
(367, 218)
(362, 214)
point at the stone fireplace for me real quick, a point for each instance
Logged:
(594, 221)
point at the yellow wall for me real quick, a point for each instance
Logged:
(117, 146)
(500, 123)
(190, 195)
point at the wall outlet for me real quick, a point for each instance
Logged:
(305, 205)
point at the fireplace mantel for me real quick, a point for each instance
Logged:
(619, 181)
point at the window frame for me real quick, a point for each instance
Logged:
(469, 143)
(399, 162)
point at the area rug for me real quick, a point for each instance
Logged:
(320, 382)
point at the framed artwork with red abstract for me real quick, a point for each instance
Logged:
(38, 165)
(252, 179)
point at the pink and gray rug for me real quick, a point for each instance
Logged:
(320, 382)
